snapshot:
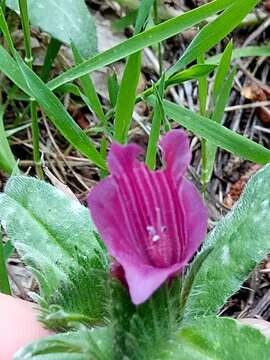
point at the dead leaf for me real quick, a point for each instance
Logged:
(237, 188)
(264, 115)
(267, 5)
(255, 93)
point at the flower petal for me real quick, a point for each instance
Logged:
(111, 220)
(122, 158)
(177, 154)
(143, 280)
(196, 217)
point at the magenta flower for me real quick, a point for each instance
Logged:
(152, 222)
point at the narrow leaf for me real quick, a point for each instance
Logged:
(158, 119)
(222, 70)
(217, 134)
(243, 52)
(89, 89)
(127, 97)
(217, 116)
(215, 31)
(58, 115)
(154, 35)
(7, 161)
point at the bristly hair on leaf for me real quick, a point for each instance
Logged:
(140, 331)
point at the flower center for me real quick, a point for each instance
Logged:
(157, 234)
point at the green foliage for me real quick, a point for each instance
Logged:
(55, 236)
(141, 332)
(7, 161)
(78, 345)
(242, 52)
(126, 97)
(211, 338)
(149, 37)
(194, 72)
(4, 282)
(57, 240)
(67, 21)
(89, 90)
(216, 133)
(59, 116)
(240, 241)
(215, 31)
(220, 95)
(217, 116)
(222, 71)
(158, 118)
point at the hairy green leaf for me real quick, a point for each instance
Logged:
(56, 238)
(79, 345)
(67, 21)
(240, 241)
(214, 338)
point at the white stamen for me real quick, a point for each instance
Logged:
(156, 238)
(151, 230)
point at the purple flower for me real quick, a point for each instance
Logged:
(152, 222)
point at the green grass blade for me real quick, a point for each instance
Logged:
(194, 72)
(158, 119)
(143, 14)
(59, 116)
(222, 70)
(223, 97)
(242, 52)
(217, 134)
(154, 35)
(127, 97)
(52, 105)
(120, 24)
(4, 282)
(10, 68)
(89, 89)
(202, 88)
(7, 160)
(113, 88)
(215, 31)
(217, 116)
(51, 54)
(203, 95)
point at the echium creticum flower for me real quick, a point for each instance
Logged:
(152, 222)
